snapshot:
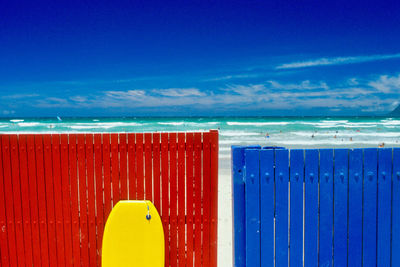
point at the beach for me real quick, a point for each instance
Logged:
(289, 132)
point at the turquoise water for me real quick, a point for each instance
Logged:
(291, 132)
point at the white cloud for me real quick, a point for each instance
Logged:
(19, 96)
(304, 85)
(178, 92)
(387, 84)
(336, 61)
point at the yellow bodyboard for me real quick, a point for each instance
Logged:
(131, 237)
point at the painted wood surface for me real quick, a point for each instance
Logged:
(57, 190)
(316, 207)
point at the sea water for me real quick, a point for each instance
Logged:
(290, 132)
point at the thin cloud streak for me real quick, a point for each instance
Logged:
(336, 61)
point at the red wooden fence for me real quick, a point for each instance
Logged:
(56, 191)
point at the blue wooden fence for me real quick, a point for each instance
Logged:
(316, 207)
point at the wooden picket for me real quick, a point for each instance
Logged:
(316, 207)
(57, 190)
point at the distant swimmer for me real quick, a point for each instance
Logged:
(312, 136)
(334, 136)
(381, 145)
(267, 135)
(351, 138)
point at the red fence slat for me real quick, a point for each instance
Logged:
(189, 200)
(58, 204)
(156, 170)
(197, 199)
(115, 169)
(148, 166)
(66, 199)
(131, 166)
(91, 199)
(139, 167)
(16, 186)
(83, 200)
(23, 159)
(165, 196)
(3, 219)
(181, 200)
(74, 201)
(99, 194)
(206, 198)
(44, 242)
(173, 199)
(123, 166)
(214, 198)
(107, 175)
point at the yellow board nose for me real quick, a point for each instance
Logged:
(132, 237)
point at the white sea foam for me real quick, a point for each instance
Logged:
(238, 133)
(16, 120)
(236, 123)
(171, 123)
(28, 124)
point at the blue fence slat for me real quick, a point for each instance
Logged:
(396, 208)
(252, 207)
(369, 206)
(238, 207)
(296, 206)
(311, 209)
(325, 207)
(340, 207)
(267, 206)
(281, 207)
(355, 207)
(384, 207)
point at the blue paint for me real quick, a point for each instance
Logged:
(369, 206)
(396, 208)
(296, 206)
(311, 208)
(281, 207)
(340, 207)
(355, 207)
(326, 207)
(267, 206)
(384, 210)
(252, 207)
(358, 209)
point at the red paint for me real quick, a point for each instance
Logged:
(148, 166)
(115, 169)
(99, 194)
(74, 200)
(91, 199)
(197, 200)
(165, 196)
(156, 170)
(189, 201)
(181, 200)
(139, 167)
(66, 199)
(206, 199)
(122, 166)
(173, 198)
(58, 204)
(131, 166)
(214, 198)
(5, 261)
(23, 160)
(83, 200)
(58, 192)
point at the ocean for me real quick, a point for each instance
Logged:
(290, 132)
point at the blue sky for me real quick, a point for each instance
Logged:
(138, 58)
